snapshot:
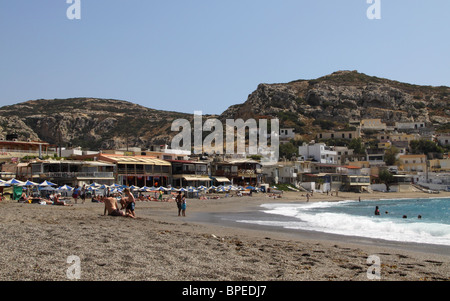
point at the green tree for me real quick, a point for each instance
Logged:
(423, 146)
(357, 146)
(386, 177)
(390, 155)
(288, 150)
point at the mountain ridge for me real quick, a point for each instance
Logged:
(309, 106)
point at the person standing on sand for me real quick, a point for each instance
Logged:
(112, 208)
(83, 193)
(183, 205)
(75, 193)
(178, 200)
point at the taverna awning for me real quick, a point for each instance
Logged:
(139, 160)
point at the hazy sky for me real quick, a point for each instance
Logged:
(187, 55)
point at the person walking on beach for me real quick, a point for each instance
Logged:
(183, 205)
(178, 200)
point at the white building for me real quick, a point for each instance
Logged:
(318, 152)
(409, 125)
(287, 134)
(443, 139)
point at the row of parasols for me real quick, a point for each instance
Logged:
(46, 185)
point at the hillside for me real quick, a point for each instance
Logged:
(309, 106)
(89, 123)
(333, 101)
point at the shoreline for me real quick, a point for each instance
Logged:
(230, 219)
(160, 246)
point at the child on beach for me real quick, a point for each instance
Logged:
(130, 202)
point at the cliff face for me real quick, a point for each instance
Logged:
(344, 96)
(307, 105)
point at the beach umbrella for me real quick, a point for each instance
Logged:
(94, 185)
(144, 188)
(65, 187)
(162, 188)
(15, 182)
(47, 183)
(30, 183)
(48, 188)
(132, 187)
(202, 187)
(4, 184)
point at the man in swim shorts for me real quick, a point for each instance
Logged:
(112, 208)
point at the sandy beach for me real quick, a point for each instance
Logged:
(160, 246)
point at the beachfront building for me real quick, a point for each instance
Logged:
(355, 178)
(190, 173)
(137, 170)
(317, 152)
(70, 172)
(238, 171)
(15, 149)
(332, 177)
(287, 172)
(163, 152)
(433, 180)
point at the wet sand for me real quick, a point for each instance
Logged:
(160, 246)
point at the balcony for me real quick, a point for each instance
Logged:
(75, 175)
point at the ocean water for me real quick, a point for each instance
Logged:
(356, 218)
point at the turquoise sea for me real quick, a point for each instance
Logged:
(398, 220)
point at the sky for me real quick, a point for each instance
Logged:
(206, 55)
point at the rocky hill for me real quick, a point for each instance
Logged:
(332, 101)
(89, 123)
